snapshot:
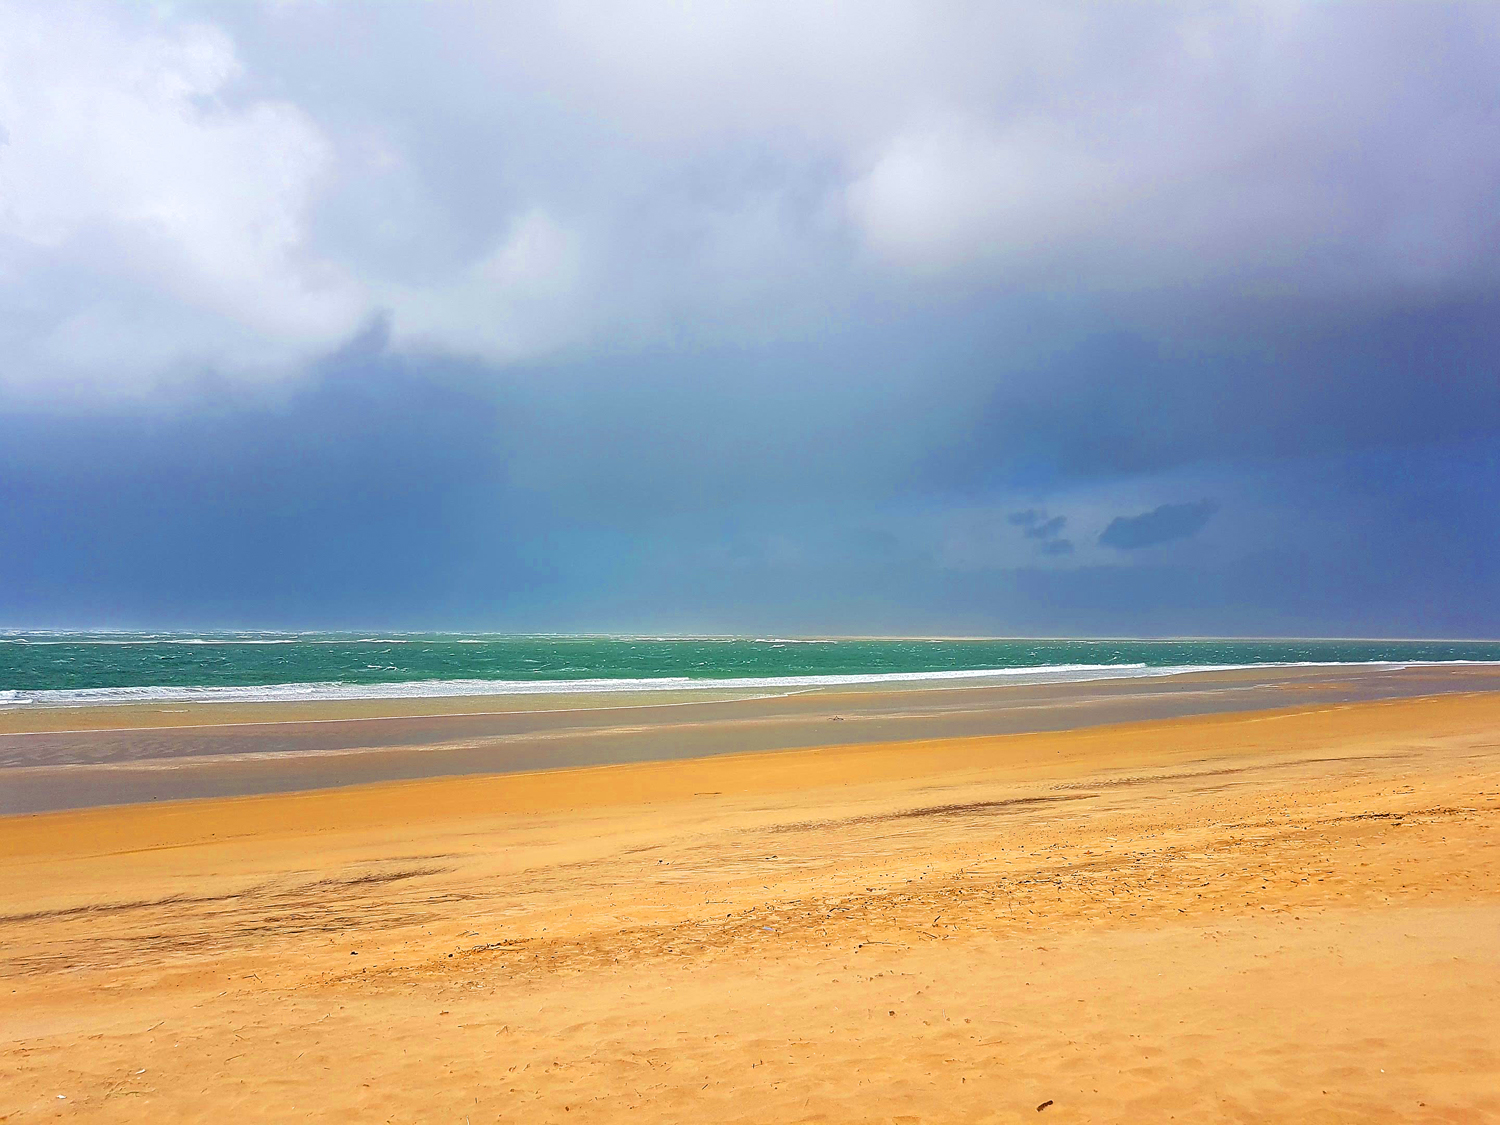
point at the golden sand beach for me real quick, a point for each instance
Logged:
(1288, 915)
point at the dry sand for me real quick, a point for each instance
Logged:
(1289, 916)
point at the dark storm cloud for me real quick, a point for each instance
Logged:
(388, 498)
(1160, 525)
(1097, 403)
(357, 489)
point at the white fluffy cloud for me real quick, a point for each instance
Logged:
(240, 189)
(1305, 147)
(148, 223)
(505, 306)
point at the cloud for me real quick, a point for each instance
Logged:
(1199, 145)
(1160, 525)
(696, 298)
(511, 304)
(1036, 524)
(150, 220)
(224, 193)
(1047, 529)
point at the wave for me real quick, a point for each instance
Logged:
(454, 689)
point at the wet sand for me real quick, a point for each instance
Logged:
(78, 757)
(1272, 915)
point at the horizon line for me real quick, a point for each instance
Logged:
(668, 635)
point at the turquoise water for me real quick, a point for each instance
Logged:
(43, 668)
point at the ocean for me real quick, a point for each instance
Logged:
(90, 668)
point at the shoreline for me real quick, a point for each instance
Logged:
(137, 753)
(469, 693)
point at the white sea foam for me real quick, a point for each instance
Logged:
(449, 689)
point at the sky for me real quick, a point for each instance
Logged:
(851, 318)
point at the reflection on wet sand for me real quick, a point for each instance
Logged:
(70, 758)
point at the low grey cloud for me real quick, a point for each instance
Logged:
(1037, 524)
(1047, 529)
(1160, 525)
